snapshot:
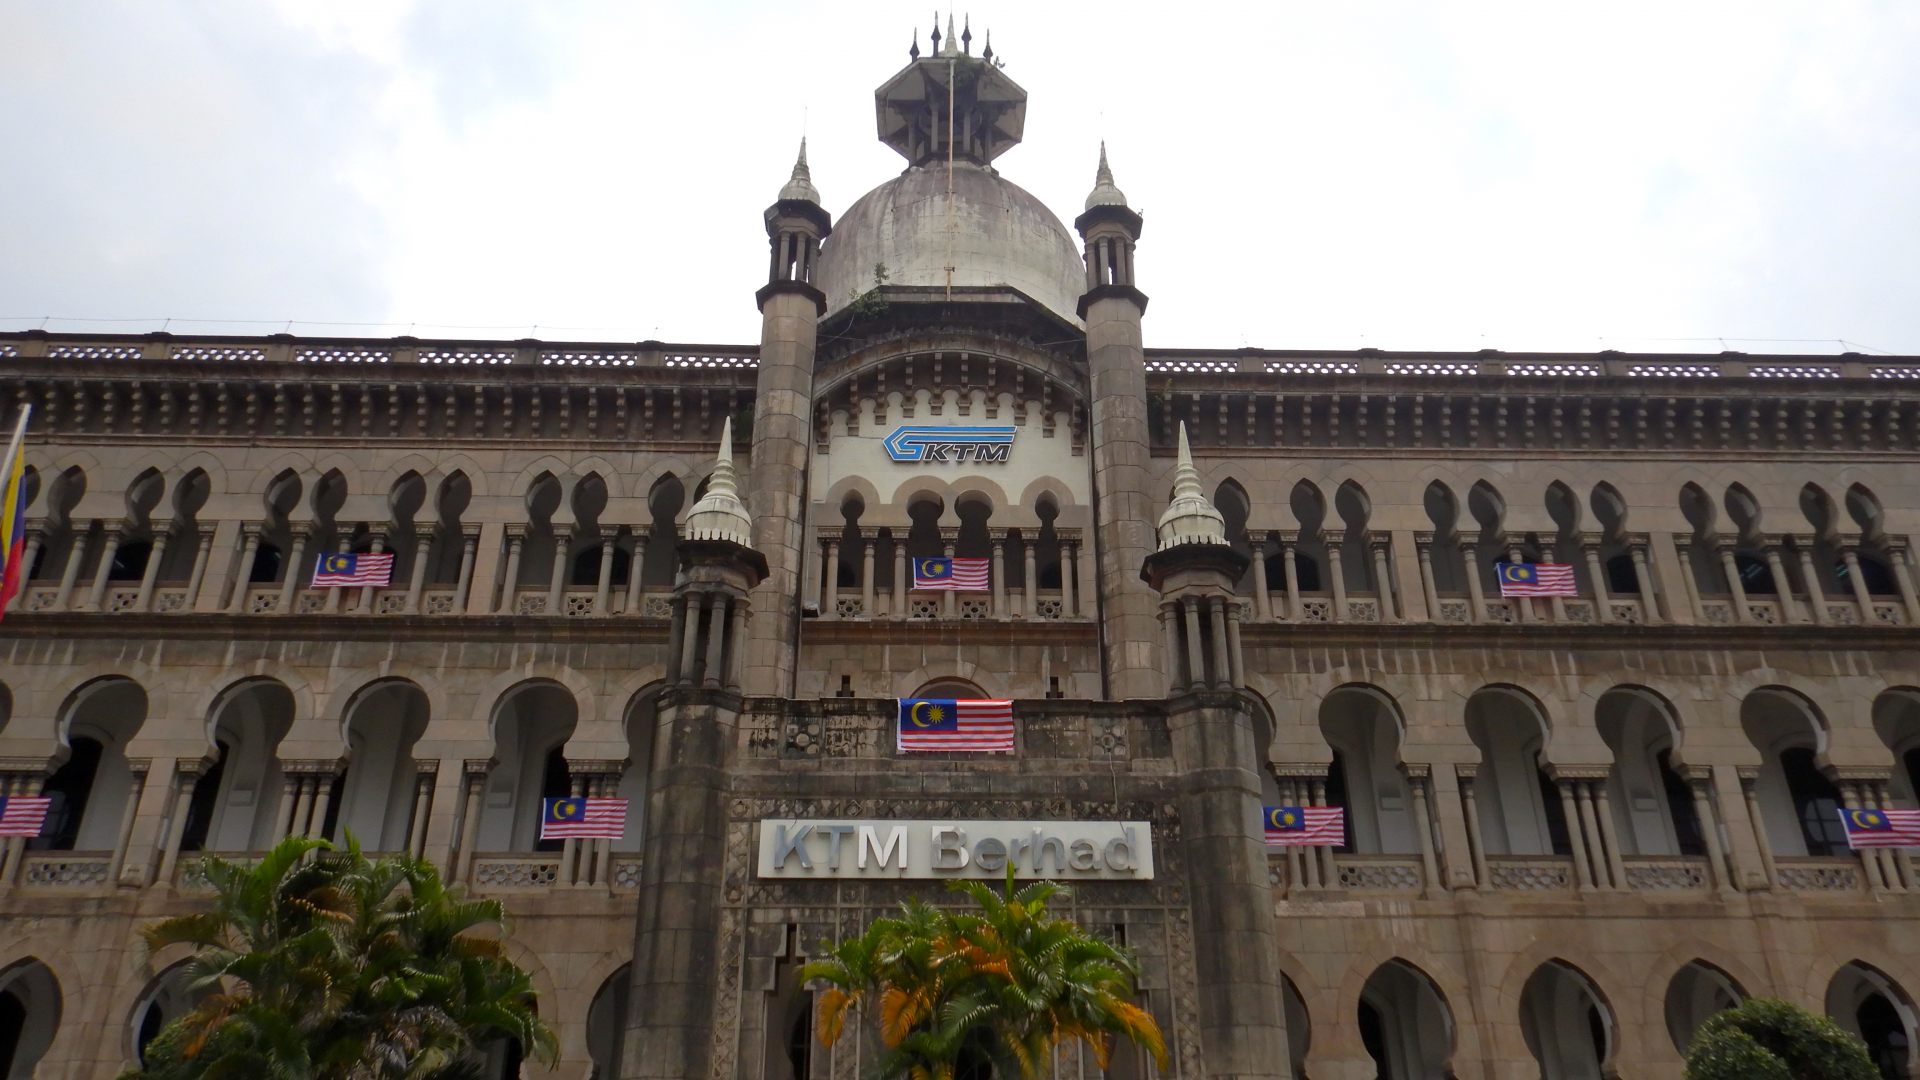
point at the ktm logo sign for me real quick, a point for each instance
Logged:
(956, 445)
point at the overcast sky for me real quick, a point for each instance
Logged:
(1312, 174)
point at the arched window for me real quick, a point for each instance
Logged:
(1337, 796)
(130, 560)
(1307, 571)
(69, 788)
(1622, 577)
(555, 783)
(1686, 823)
(266, 564)
(206, 792)
(1878, 578)
(1756, 577)
(1816, 802)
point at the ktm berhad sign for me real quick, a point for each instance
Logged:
(1093, 850)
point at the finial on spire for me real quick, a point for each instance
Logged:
(952, 47)
(1104, 192)
(720, 515)
(935, 36)
(1191, 517)
(800, 185)
(987, 53)
(966, 34)
(913, 53)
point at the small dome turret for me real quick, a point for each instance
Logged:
(800, 186)
(1104, 192)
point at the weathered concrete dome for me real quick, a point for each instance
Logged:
(1002, 235)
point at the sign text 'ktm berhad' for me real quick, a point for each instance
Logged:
(1092, 850)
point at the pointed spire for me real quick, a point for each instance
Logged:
(913, 53)
(1104, 193)
(966, 35)
(935, 36)
(800, 185)
(987, 53)
(952, 47)
(719, 515)
(1190, 517)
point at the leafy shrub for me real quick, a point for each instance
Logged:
(1770, 1039)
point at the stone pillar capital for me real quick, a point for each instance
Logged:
(1593, 540)
(469, 531)
(1416, 771)
(477, 766)
(251, 530)
(1379, 541)
(1423, 539)
(160, 526)
(517, 531)
(1334, 537)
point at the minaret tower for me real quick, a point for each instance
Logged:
(1117, 378)
(1242, 1016)
(790, 310)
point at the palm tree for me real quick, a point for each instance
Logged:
(319, 963)
(1008, 982)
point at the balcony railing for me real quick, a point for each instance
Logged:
(1530, 873)
(1828, 874)
(1667, 873)
(66, 870)
(1380, 873)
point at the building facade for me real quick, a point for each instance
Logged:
(1220, 579)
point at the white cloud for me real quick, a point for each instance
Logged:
(1402, 175)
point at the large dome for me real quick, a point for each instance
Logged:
(1000, 235)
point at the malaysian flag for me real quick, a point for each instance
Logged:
(23, 815)
(1289, 825)
(981, 725)
(959, 575)
(591, 818)
(346, 568)
(1881, 828)
(1537, 579)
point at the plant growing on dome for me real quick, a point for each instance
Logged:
(1004, 984)
(1770, 1039)
(871, 303)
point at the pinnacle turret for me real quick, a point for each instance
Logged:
(800, 185)
(1104, 192)
(1191, 517)
(719, 515)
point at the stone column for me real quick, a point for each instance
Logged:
(469, 548)
(867, 594)
(1030, 566)
(152, 821)
(289, 568)
(631, 606)
(510, 588)
(736, 639)
(570, 847)
(424, 775)
(557, 579)
(1643, 577)
(603, 585)
(1602, 603)
(1576, 834)
(1222, 673)
(287, 819)
(157, 554)
(474, 774)
(1596, 844)
(1475, 841)
(482, 594)
(1689, 579)
(1522, 605)
(417, 572)
(334, 594)
(1735, 587)
(1291, 570)
(369, 592)
(184, 776)
(901, 579)
(1383, 581)
(1721, 873)
(1196, 661)
(76, 555)
(1424, 543)
(1262, 597)
(1069, 558)
(1782, 584)
(1417, 775)
(1759, 823)
(1236, 660)
(1898, 553)
(196, 577)
(714, 674)
(138, 768)
(948, 537)
(1170, 634)
(677, 634)
(1610, 834)
(1476, 593)
(1336, 577)
(691, 604)
(322, 799)
(1849, 555)
(102, 573)
(1816, 589)
(831, 607)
